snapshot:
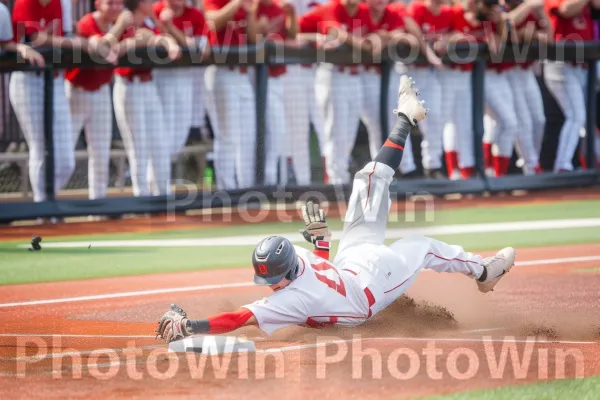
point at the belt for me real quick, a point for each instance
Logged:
(351, 69)
(368, 294)
(242, 69)
(309, 66)
(375, 68)
(139, 78)
(87, 89)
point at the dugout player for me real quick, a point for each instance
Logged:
(138, 110)
(89, 95)
(567, 80)
(187, 26)
(230, 96)
(40, 23)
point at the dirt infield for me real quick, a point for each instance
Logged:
(430, 345)
(159, 223)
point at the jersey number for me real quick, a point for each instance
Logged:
(322, 270)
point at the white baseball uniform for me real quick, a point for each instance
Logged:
(300, 104)
(6, 33)
(88, 92)
(173, 84)
(231, 105)
(339, 92)
(26, 92)
(366, 275)
(568, 81)
(437, 87)
(139, 116)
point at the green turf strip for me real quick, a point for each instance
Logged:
(536, 212)
(575, 389)
(20, 266)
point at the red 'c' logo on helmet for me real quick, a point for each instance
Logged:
(263, 269)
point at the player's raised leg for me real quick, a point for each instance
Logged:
(369, 203)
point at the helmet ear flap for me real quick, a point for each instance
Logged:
(293, 273)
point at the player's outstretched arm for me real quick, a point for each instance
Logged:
(175, 325)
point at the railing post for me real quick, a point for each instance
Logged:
(386, 68)
(477, 85)
(590, 123)
(48, 132)
(262, 78)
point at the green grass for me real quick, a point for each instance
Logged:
(57, 264)
(575, 389)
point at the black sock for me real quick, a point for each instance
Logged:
(393, 148)
(483, 276)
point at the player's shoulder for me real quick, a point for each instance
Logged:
(448, 9)
(417, 6)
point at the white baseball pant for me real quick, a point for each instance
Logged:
(198, 96)
(530, 113)
(339, 94)
(428, 81)
(231, 108)
(26, 92)
(458, 104)
(275, 141)
(300, 110)
(176, 93)
(407, 164)
(139, 116)
(92, 111)
(501, 107)
(567, 83)
(67, 16)
(389, 271)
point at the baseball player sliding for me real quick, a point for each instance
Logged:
(365, 277)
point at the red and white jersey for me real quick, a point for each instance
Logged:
(234, 32)
(191, 22)
(6, 33)
(432, 25)
(321, 295)
(89, 78)
(577, 28)
(29, 17)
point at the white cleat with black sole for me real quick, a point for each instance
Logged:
(408, 102)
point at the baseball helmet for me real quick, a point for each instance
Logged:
(274, 258)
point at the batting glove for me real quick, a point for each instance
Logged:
(316, 230)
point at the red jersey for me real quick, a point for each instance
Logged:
(432, 25)
(29, 17)
(397, 7)
(234, 32)
(461, 24)
(579, 27)
(191, 21)
(276, 16)
(530, 20)
(390, 21)
(334, 15)
(129, 72)
(89, 78)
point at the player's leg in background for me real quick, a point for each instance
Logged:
(183, 110)
(245, 126)
(354, 95)
(449, 82)
(98, 133)
(166, 84)
(309, 75)
(198, 105)
(26, 93)
(297, 115)
(131, 120)
(535, 102)
(564, 86)
(159, 146)
(370, 115)
(64, 159)
(220, 101)
(525, 143)
(499, 99)
(489, 136)
(275, 161)
(407, 165)
(67, 16)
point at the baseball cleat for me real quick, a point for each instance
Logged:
(408, 102)
(495, 268)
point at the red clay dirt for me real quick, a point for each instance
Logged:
(159, 223)
(557, 300)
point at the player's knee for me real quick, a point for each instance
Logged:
(64, 166)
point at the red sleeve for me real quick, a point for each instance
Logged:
(212, 5)
(321, 253)
(396, 21)
(199, 23)
(23, 24)
(414, 11)
(552, 5)
(227, 322)
(309, 22)
(85, 26)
